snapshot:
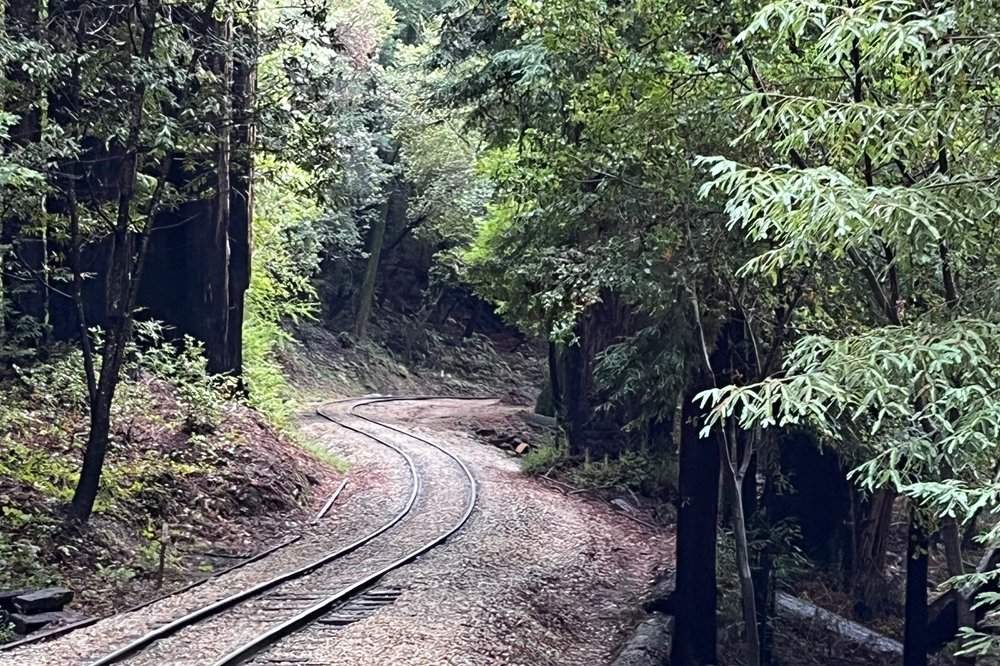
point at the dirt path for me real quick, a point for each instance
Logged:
(535, 577)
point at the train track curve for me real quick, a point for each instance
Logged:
(237, 628)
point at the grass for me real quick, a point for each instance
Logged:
(318, 450)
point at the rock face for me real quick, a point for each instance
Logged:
(42, 601)
(649, 645)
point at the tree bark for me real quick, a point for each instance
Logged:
(696, 632)
(367, 294)
(872, 519)
(574, 396)
(915, 629)
(240, 223)
(216, 289)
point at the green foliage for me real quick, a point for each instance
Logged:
(543, 459)
(643, 471)
(287, 244)
(201, 397)
(875, 162)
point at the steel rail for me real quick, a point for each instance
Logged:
(226, 603)
(295, 624)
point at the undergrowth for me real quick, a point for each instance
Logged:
(641, 471)
(178, 455)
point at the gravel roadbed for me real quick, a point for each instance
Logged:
(536, 578)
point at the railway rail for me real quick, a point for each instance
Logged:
(334, 589)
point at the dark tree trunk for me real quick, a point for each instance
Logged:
(394, 209)
(241, 192)
(574, 408)
(697, 518)
(763, 585)
(866, 575)
(554, 384)
(915, 628)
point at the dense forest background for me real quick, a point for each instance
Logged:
(756, 240)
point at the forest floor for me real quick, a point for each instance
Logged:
(217, 488)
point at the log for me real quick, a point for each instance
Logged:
(537, 420)
(649, 645)
(808, 616)
(43, 601)
(7, 598)
(660, 598)
(25, 623)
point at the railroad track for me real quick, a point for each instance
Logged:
(333, 590)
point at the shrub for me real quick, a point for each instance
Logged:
(544, 459)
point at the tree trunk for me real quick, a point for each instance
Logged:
(553, 363)
(122, 287)
(367, 293)
(747, 596)
(575, 411)
(915, 629)
(697, 517)
(872, 519)
(85, 495)
(764, 592)
(215, 288)
(241, 190)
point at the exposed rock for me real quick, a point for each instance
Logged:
(649, 645)
(43, 601)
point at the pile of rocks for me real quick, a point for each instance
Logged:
(30, 610)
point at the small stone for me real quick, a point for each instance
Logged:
(41, 601)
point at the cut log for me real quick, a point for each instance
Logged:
(660, 598)
(43, 601)
(7, 598)
(521, 448)
(649, 645)
(25, 623)
(841, 630)
(537, 420)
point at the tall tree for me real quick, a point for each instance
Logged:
(881, 178)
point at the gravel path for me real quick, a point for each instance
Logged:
(535, 578)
